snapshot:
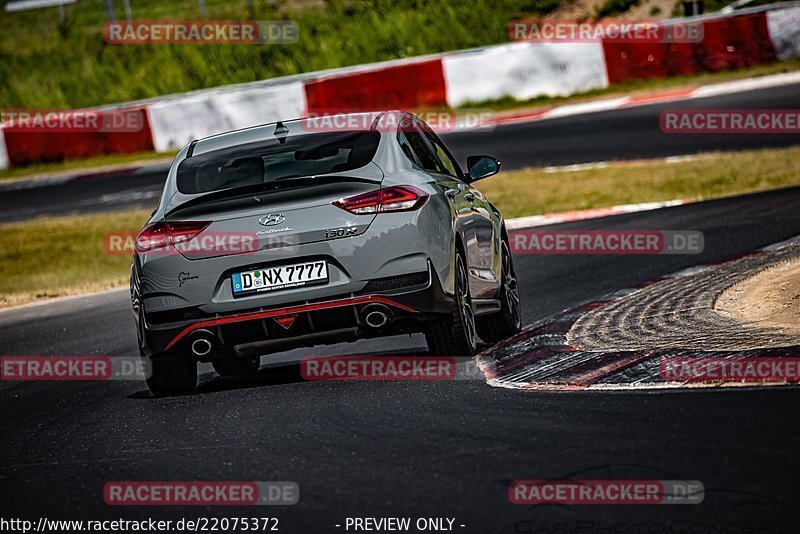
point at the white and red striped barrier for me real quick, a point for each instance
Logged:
(520, 70)
(175, 122)
(4, 163)
(608, 104)
(523, 71)
(783, 29)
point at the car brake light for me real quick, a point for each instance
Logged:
(395, 198)
(161, 234)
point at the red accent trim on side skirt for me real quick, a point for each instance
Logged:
(353, 301)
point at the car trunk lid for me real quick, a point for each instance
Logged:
(265, 220)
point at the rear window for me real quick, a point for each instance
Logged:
(270, 160)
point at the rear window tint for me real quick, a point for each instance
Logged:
(269, 160)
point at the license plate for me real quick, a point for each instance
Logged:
(282, 277)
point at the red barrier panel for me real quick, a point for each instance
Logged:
(736, 42)
(640, 61)
(415, 85)
(728, 43)
(26, 144)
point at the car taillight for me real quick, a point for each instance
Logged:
(395, 198)
(161, 234)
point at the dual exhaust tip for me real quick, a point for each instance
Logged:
(375, 316)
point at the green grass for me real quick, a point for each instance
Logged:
(44, 67)
(45, 258)
(535, 191)
(48, 258)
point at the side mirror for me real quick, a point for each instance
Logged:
(482, 167)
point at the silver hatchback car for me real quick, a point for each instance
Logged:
(290, 234)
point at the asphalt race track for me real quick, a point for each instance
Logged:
(623, 134)
(415, 449)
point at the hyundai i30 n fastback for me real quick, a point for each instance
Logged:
(289, 235)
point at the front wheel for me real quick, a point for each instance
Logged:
(507, 321)
(455, 335)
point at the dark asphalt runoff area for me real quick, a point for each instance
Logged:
(444, 449)
(622, 134)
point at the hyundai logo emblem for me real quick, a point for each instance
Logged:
(272, 219)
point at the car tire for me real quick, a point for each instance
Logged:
(172, 375)
(508, 321)
(236, 366)
(455, 335)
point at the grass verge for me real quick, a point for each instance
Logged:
(536, 191)
(48, 258)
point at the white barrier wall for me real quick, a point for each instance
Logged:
(784, 31)
(524, 71)
(177, 121)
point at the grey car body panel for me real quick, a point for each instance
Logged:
(385, 245)
(352, 262)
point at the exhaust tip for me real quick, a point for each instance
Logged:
(375, 319)
(201, 346)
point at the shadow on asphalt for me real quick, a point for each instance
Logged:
(275, 374)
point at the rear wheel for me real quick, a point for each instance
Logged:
(172, 375)
(455, 335)
(507, 321)
(236, 366)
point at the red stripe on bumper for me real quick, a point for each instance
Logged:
(267, 314)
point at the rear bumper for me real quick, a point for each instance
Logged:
(341, 318)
